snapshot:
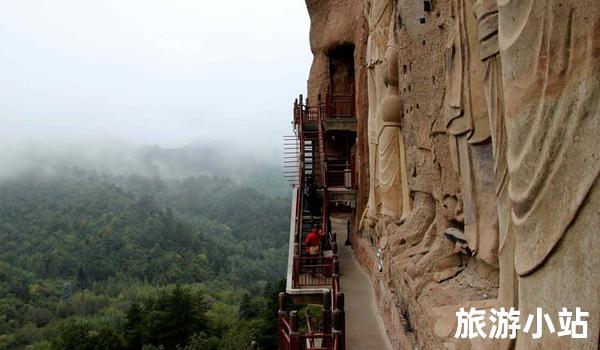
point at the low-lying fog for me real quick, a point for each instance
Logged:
(255, 167)
(98, 84)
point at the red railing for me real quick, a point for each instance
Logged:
(331, 334)
(299, 122)
(322, 265)
(333, 106)
(311, 114)
(285, 332)
(333, 329)
(305, 114)
(323, 157)
(338, 341)
(305, 267)
(340, 106)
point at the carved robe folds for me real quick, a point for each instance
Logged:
(393, 181)
(486, 12)
(378, 16)
(469, 132)
(550, 53)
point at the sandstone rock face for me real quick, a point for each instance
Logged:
(391, 157)
(550, 54)
(340, 25)
(478, 146)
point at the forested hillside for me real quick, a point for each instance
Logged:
(94, 261)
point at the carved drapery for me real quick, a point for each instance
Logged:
(550, 56)
(468, 127)
(392, 177)
(377, 13)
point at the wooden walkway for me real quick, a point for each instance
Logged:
(364, 326)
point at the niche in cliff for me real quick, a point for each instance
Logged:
(341, 69)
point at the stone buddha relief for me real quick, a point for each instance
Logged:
(391, 157)
(550, 55)
(378, 14)
(468, 128)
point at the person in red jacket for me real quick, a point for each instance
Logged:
(312, 241)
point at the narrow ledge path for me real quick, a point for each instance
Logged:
(365, 329)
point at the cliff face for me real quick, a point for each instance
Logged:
(464, 154)
(340, 25)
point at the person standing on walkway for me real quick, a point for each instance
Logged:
(312, 243)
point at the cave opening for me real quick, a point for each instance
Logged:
(341, 70)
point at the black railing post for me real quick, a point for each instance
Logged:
(282, 315)
(336, 265)
(337, 334)
(327, 314)
(348, 233)
(296, 266)
(339, 321)
(295, 121)
(294, 335)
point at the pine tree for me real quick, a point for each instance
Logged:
(66, 296)
(82, 281)
(135, 327)
(248, 309)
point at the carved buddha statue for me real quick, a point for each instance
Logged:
(378, 16)
(392, 177)
(550, 56)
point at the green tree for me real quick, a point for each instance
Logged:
(82, 282)
(66, 295)
(202, 341)
(107, 338)
(220, 242)
(248, 309)
(72, 335)
(135, 334)
(170, 320)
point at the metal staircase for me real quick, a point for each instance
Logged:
(311, 279)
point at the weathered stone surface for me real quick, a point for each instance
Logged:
(391, 157)
(550, 56)
(335, 24)
(496, 109)
(378, 14)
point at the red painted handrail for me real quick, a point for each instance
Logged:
(323, 156)
(336, 106)
(310, 125)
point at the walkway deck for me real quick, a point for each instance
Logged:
(364, 327)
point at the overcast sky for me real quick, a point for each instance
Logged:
(166, 72)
